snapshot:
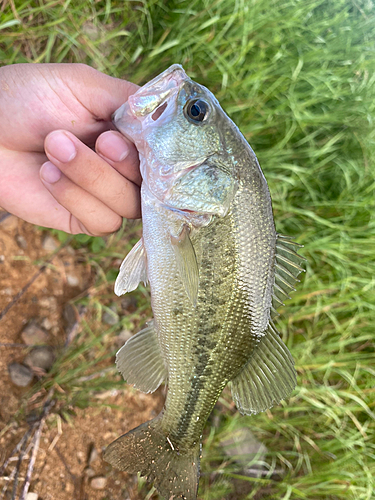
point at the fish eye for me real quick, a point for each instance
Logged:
(196, 110)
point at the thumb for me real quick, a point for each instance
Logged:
(40, 98)
(99, 93)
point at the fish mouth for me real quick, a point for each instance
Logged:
(146, 102)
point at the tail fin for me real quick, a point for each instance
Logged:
(146, 449)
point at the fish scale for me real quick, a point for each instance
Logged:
(211, 254)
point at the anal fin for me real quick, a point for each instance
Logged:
(267, 378)
(133, 270)
(140, 360)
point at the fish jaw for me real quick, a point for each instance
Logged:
(136, 115)
(173, 148)
(153, 105)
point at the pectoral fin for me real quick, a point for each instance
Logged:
(132, 270)
(140, 360)
(267, 378)
(186, 263)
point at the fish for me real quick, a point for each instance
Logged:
(217, 271)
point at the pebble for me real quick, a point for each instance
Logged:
(21, 241)
(110, 317)
(129, 303)
(20, 375)
(245, 447)
(70, 316)
(32, 496)
(32, 334)
(47, 324)
(69, 488)
(123, 336)
(93, 455)
(40, 357)
(49, 243)
(72, 280)
(70, 250)
(90, 473)
(9, 222)
(98, 483)
(49, 303)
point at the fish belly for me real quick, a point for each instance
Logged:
(207, 345)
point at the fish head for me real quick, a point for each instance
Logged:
(176, 125)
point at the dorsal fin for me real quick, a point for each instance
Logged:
(287, 269)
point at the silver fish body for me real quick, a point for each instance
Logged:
(215, 265)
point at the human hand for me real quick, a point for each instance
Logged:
(58, 112)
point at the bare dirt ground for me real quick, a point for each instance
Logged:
(69, 457)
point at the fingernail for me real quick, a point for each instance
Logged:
(113, 147)
(60, 147)
(50, 173)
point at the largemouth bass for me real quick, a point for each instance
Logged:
(217, 271)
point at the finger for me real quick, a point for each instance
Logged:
(39, 98)
(92, 173)
(90, 215)
(121, 154)
(38, 206)
(99, 93)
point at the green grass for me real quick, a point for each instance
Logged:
(298, 77)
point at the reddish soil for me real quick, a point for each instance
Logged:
(61, 469)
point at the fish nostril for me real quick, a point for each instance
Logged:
(160, 110)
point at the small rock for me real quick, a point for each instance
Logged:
(49, 243)
(216, 421)
(70, 250)
(32, 496)
(98, 483)
(107, 436)
(90, 473)
(72, 280)
(70, 316)
(49, 303)
(2, 259)
(40, 357)
(34, 335)
(8, 221)
(47, 324)
(106, 394)
(20, 375)
(81, 456)
(21, 241)
(93, 455)
(123, 336)
(69, 488)
(247, 450)
(110, 316)
(129, 303)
